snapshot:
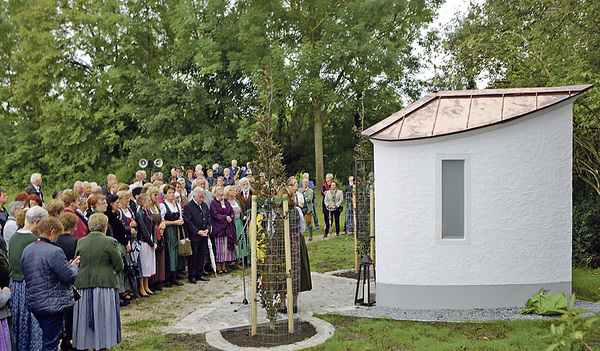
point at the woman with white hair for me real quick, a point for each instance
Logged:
(198, 172)
(96, 316)
(324, 189)
(11, 223)
(28, 333)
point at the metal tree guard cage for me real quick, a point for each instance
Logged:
(364, 230)
(275, 272)
(364, 211)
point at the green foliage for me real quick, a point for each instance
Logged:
(527, 43)
(573, 331)
(586, 225)
(89, 87)
(325, 56)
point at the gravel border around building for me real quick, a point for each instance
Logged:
(475, 315)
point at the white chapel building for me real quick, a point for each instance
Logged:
(473, 198)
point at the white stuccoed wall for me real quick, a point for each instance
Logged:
(520, 204)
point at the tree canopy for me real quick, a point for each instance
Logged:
(526, 43)
(89, 87)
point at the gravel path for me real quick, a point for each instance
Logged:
(476, 315)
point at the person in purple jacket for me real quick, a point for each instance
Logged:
(223, 229)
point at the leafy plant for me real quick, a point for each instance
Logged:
(271, 259)
(574, 330)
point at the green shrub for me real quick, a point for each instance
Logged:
(586, 226)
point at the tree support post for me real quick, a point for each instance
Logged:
(288, 266)
(372, 222)
(253, 273)
(355, 228)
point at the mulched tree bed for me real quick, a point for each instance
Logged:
(241, 336)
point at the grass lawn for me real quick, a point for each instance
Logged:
(331, 255)
(586, 284)
(384, 334)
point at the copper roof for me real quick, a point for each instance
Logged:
(448, 112)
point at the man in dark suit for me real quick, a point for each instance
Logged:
(244, 196)
(196, 216)
(34, 187)
(109, 178)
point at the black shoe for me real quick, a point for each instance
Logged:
(203, 279)
(66, 345)
(295, 309)
(177, 283)
(193, 281)
(282, 310)
(168, 284)
(157, 288)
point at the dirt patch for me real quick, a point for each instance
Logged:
(241, 336)
(188, 342)
(347, 274)
(171, 305)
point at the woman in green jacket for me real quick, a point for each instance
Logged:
(96, 316)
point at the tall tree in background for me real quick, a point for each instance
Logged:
(88, 87)
(522, 43)
(324, 54)
(535, 43)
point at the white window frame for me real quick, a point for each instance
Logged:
(466, 240)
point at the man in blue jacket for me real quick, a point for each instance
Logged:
(48, 277)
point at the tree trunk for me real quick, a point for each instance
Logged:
(319, 171)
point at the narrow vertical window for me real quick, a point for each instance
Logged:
(453, 199)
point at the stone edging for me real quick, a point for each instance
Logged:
(324, 331)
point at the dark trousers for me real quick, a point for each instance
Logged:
(51, 325)
(196, 260)
(68, 335)
(335, 214)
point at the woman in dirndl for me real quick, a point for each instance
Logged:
(223, 228)
(301, 279)
(159, 278)
(28, 334)
(147, 236)
(241, 249)
(127, 217)
(117, 230)
(96, 315)
(170, 212)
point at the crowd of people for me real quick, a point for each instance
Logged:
(69, 264)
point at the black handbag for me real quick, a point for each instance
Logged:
(76, 295)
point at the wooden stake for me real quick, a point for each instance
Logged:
(372, 223)
(288, 265)
(355, 229)
(254, 277)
